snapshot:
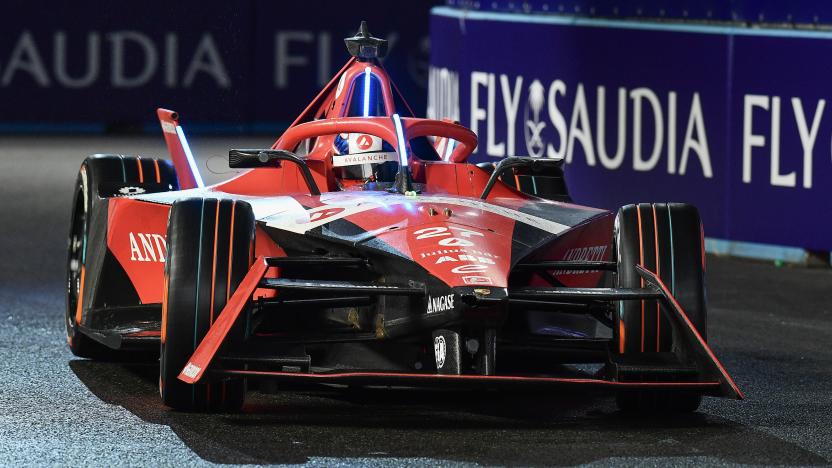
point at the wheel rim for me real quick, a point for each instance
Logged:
(75, 259)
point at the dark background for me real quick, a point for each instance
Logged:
(80, 66)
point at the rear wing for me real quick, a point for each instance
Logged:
(180, 152)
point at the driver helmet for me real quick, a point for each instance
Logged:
(359, 156)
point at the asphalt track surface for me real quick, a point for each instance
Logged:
(772, 328)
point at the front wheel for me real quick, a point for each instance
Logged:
(210, 249)
(665, 238)
(81, 345)
(101, 176)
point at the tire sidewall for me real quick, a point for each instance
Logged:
(81, 190)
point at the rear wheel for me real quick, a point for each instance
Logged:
(665, 238)
(210, 249)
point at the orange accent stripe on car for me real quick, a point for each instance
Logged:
(143, 333)
(517, 181)
(214, 266)
(621, 336)
(158, 176)
(641, 262)
(80, 306)
(658, 272)
(230, 251)
(164, 308)
(141, 173)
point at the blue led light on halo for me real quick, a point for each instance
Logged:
(449, 148)
(367, 76)
(400, 137)
(189, 156)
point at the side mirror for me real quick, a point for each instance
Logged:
(254, 158)
(257, 158)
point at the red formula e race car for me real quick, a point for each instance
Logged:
(362, 249)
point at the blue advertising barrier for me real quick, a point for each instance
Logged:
(733, 120)
(802, 12)
(249, 64)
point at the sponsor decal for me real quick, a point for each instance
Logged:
(131, 190)
(439, 351)
(168, 127)
(361, 142)
(363, 158)
(469, 269)
(482, 257)
(191, 370)
(440, 304)
(477, 280)
(464, 258)
(592, 253)
(441, 231)
(321, 214)
(364, 142)
(456, 236)
(147, 247)
(451, 237)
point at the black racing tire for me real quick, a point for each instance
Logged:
(101, 176)
(665, 238)
(210, 250)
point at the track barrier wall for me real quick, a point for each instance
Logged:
(248, 65)
(735, 120)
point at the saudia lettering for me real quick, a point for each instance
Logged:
(579, 129)
(78, 60)
(440, 304)
(29, 60)
(147, 247)
(655, 130)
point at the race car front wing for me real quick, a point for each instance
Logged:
(710, 376)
